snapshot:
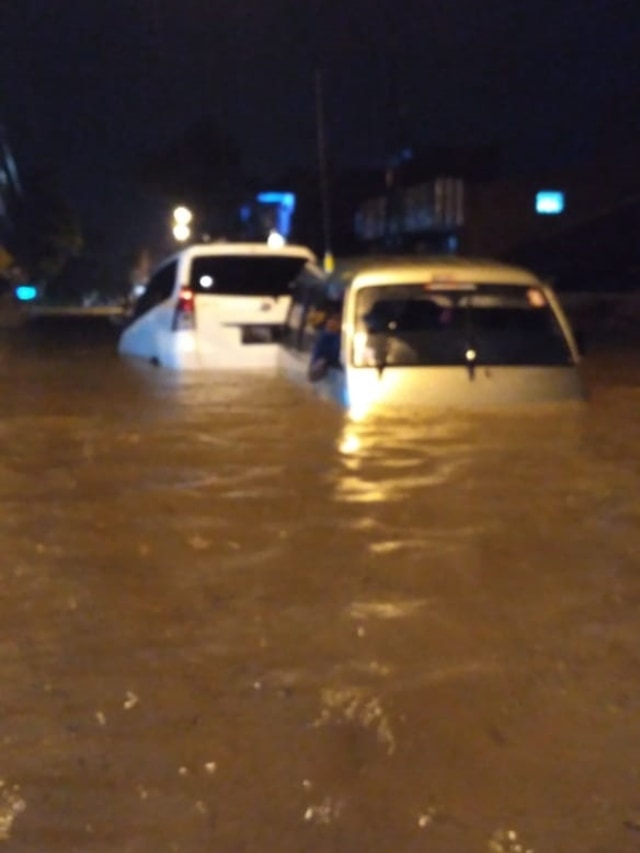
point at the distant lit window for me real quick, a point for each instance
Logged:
(549, 202)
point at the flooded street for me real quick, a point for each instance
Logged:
(233, 621)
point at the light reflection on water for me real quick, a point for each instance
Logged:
(429, 619)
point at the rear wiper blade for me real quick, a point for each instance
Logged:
(470, 356)
(382, 357)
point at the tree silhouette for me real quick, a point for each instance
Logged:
(47, 233)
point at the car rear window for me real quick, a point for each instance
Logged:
(244, 276)
(420, 324)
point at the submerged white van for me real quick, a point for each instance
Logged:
(431, 331)
(215, 305)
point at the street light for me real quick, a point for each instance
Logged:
(181, 232)
(182, 217)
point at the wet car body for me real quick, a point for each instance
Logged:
(437, 331)
(215, 306)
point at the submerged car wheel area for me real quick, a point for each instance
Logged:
(432, 331)
(219, 305)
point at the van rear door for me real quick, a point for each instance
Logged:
(249, 293)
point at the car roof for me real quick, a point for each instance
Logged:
(254, 249)
(454, 268)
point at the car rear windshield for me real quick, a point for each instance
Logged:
(239, 275)
(415, 324)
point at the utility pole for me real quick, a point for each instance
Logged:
(395, 136)
(9, 164)
(10, 186)
(323, 174)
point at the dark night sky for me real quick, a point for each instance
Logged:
(91, 84)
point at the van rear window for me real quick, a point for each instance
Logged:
(240, 275)
(415, 324)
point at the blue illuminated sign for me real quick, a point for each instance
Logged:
(26, 292)
(287, 200)
(284, 204)
(549, 202)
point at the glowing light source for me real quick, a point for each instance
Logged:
(287, 200)
(282, 206)
(26, 292)
(181, 232)
(206, 281)
(275, 240)
(182, 215)
(536, 298)
(549, 202)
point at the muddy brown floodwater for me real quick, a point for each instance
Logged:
(233, 621)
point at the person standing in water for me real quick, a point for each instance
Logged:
(326, 350)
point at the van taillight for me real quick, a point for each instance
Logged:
(184, 317)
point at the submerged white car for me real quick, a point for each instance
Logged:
(215, 305)
(431, 331)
